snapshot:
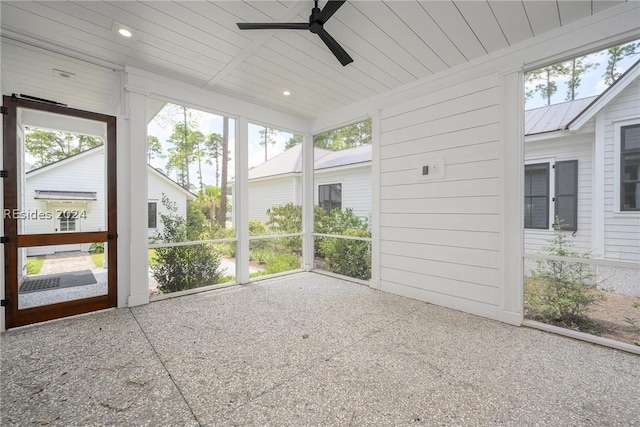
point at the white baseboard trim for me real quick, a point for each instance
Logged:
(582, 336)
(140, 299)
(510, 317)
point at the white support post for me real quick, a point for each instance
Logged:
(375, 201)
(510, 305)
(136, 148)
(241, 195)
(307, 203)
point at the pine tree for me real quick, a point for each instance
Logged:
(575, 69)
(616, 54)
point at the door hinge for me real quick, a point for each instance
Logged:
(4, 239)
(4, 174)
(4, 303)
(4, 110)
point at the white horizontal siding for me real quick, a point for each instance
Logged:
(356, 188)
(264, 195)
(356, 191)
(575, 147)
(85, 173)
(621, 229)
(157, 187)
(440, 239)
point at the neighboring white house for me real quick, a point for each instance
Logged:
(69, 195)
(341, 179)
(583, 164)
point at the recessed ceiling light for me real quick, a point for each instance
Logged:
(123, 30)
(286, 93)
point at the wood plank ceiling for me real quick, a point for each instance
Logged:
(393, 43)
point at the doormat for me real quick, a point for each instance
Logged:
(57, 281)
(33, 284)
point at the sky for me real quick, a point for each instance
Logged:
(592, 81)
(211, 123)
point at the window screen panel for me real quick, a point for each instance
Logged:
(631, 194)
(630, 138)
(540, 212)
(536, 203)
(631, 167)
(330, 196)
(539, 183)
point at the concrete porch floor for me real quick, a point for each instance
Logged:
(307, 350)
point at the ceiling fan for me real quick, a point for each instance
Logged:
(316, 21)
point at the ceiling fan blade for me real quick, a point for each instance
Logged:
(329, 9)
(333, 45)
(273, 26)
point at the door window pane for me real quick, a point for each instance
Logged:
(61, 170)
(59, 273)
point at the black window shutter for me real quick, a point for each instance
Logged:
(566, 201)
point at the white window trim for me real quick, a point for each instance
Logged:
(617, 169)
(552, 189)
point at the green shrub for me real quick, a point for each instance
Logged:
(227, 249)
(348, 257)
(183, 267)
(285, 219)
(97, 248)
(34, 264)
(281, 263)
(275, 263)
(562, 291)
(338, 221)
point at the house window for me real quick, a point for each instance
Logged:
(153, 214)
(536, 196)
(537, 200)
(330, 197)
(566, 197)
(67, 221)
(630, 167)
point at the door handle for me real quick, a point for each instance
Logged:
(112, 236)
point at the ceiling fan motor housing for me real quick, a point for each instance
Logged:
(315, 25)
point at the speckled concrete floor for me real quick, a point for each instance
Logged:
(308, 350)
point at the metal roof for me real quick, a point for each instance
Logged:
(290, 161)
(554, 117)
(344, 157)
